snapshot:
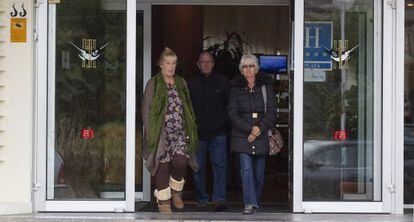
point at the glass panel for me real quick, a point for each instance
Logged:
(409, 104)
(90, 95)
(338, 100)
(139, 92)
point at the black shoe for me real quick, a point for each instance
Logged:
(248, 209)
(219, 206)
(201, 206)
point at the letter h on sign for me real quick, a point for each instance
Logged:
(314, 37)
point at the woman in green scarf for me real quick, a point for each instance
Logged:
(170, 132)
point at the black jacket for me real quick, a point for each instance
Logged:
(243, 102)
(209, 96)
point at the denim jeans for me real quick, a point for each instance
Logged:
(252, 170)
(217, 150)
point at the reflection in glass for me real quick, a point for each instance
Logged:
(90, 95)
(139, 93)
(338, 100)
(409, 106)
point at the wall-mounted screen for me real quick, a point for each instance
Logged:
(273, 63)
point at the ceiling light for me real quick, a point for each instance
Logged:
(410, 4)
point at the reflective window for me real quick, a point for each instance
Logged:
(338, 104)
(139, 67)
(90, 99)
(409, 104)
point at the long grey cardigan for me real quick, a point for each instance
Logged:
(152, 159)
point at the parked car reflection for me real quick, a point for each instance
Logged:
(59, 179)
(333, 169)
(408, 163)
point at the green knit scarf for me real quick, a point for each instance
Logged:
(157, 112)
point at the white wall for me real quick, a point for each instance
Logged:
(16, 108)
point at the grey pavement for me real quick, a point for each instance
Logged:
(200, 216)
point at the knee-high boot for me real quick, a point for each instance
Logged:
(176, 192)
(163, 199)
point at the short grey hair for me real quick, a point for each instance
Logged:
(248, 58)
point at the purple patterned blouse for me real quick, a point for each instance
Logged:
(175, 141)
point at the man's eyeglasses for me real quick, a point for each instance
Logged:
(248, 66)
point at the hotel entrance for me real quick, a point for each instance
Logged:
(328, 67)
(229, 31)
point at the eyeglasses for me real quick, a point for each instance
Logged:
(206, 62)
(248, 66)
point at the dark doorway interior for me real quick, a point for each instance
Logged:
(266, 30)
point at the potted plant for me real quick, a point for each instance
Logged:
(227, 52)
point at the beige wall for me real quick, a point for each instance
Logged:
(266, 28)
(16, 118)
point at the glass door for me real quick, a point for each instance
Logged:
(338, 156)
(91, 106)
(143, 70)
(409, 105)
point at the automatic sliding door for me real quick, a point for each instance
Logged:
(139, 172)
(338, 124)
(341, 156)
(90, 89)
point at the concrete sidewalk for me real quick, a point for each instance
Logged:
(204, 216)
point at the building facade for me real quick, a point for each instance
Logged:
(72, 75)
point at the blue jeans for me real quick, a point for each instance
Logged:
(252, 170)
(218, 155)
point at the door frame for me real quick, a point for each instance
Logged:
(43, 104)
(390, 27)
(391, 188)
(146, 7)
(393, 86)
(147, 55)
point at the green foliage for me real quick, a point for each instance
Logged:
(88, 94)
(325, 102)
(228, 52)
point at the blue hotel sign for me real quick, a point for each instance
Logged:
(318, 43)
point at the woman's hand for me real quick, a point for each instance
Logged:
(251, 138)
(255, 131)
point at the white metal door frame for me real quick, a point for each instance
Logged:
(214, 2)
(389, 114)
(40, 116)
(44, 125)
(394, 31)
(298, 104)
(390, 203)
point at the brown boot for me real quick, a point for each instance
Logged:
(164, 206)
(163, 199)
(176, 192)
(176, 199)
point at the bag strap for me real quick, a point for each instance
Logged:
(264, 94)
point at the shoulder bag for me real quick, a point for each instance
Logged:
(274, 136)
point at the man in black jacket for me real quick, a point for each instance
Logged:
(209, 93)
